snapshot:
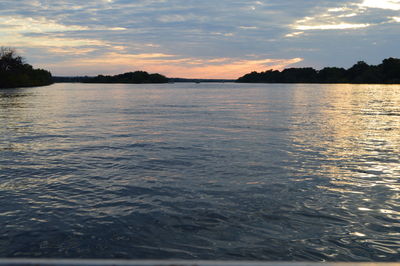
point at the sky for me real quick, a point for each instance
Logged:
(198, 38)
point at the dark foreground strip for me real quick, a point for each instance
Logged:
(57, 262)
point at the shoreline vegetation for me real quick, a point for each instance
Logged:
(137, 77)
(388, 72)
(15, 72)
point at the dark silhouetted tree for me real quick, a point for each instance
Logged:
(332, 74)
(387, 72)
(358, 72)
(137, 77)
(299, 75)
(14, 72)
(390, 69)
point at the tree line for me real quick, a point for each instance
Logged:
(137, 77)
(388, 72)
(15, 72)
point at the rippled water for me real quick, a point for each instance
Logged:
(201, 171)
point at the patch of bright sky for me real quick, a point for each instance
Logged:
(340, 26)
(334, 18)
(18, 24)
(383, 4)
(186, 67)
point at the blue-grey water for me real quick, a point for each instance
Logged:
(201, 171)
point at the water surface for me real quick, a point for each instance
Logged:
(201, 171)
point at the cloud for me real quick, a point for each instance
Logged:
(340, 26)
(350, 16)
(383, 4)
(34, 25)
(207, 36)
(248, 27)
(294, 34)
(42, 24)
(45, 42)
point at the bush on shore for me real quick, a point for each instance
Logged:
(14, 72)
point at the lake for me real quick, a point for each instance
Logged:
(201, 171)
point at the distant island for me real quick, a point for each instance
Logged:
(14, 72)
(137, 77)
(388, 72)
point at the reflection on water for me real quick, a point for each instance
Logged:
(353, 138)
(201, 171)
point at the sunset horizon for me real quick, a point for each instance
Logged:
(198, 39)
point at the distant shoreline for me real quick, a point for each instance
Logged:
(84, 79)
(388, 72)
(14, 72)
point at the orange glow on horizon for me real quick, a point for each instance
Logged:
(168, 65)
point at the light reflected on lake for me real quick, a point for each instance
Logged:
(199, 171)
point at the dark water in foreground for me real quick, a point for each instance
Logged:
(201, 171)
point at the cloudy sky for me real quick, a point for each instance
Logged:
(198, 38)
